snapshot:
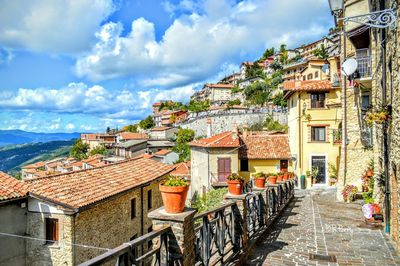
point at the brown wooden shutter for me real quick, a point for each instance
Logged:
(51, 230)
(224, 168)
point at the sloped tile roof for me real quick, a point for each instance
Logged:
(182, 169)
(162, 152)
(34, 165)
(131, 135)
(223, 140)
(82, 188)
(11, 188)
(219, 86)
(308, 85)
(263, 146)
(160, 128)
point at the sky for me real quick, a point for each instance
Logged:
(84, 65)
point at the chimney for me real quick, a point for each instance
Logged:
(235, 130)
(208, 127)
(245, 131)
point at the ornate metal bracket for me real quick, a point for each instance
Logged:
(379, 19)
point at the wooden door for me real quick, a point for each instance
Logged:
(224, 169)
(284, 165)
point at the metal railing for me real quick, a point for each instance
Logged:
(363, 58)
(221, 234)
(127, 253)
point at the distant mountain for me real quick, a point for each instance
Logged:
(12, 137)
(13, 156)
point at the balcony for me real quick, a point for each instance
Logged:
(363, 57)
(216, 237)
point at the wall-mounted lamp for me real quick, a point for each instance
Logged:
(304, 108)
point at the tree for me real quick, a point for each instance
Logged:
(79, 150)
(267, 53)
(98, 150)
(276, 65)
(182, 148)
(283, 58)
(321, 52)
(130, 128)
(198, 106)
(234, 102)
(254, 70)
(257, 93)
(279, 100)
(108, 130)
(147, 123)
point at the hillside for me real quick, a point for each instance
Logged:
(12, 137)
(12, 157)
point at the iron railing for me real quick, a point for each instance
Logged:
(127, 253)
(220, 233)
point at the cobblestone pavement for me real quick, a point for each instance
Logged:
(314, 223)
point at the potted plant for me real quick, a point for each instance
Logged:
(259, 179)
(272, 178)
(286, 176)
(314, 174)
(280, 176)
(235, 184)
(173, 192)
(370, 169)
(349, 192)
(333, 173)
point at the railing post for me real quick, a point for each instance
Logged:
(181, 240)
(264, 204)
(240, 213)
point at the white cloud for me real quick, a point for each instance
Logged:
(204, 37)
(95, 100)
(61, 26)
(70, 126)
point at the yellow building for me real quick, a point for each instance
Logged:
(314, 122)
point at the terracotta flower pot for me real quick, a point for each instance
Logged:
(235, 187)
(280, 178)
(377, 208)
(370, 173)
(286, 176)
(174, 198)
(260, 182)
(272, 180)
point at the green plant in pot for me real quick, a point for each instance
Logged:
(314, 174)
(272, 177)
(174, 192)
(259, 179)
(235, 184)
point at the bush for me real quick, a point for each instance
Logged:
(175, 181)
(210, 200)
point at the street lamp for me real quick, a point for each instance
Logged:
(336, 7)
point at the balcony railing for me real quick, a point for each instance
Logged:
(363, 57)
(220, 236)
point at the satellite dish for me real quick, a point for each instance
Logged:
(325, 69)
(349, 66)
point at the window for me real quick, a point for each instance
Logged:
(149, 199)
(224, 168)
(309, 76)
(318, 134)
(316, 74)
(133, 208)
(304, 77)
(365, 102)
(317, 100)
(51, 230)
(244, 165)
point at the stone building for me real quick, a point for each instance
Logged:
(13, 203)
(71, 218)
(385, 48)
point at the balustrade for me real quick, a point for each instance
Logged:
(215, 237)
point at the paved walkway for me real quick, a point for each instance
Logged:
(314, 223)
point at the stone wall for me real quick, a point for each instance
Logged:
(12, 221)
(393, 100)
(109, 224)
(225, 122)
(41, 254)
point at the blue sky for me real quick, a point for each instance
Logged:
(81, 66)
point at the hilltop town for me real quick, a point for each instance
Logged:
(315, 125)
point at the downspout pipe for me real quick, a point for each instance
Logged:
(385, 127)
(344, 114)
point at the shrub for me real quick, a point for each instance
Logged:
(175, 181)
(235, 176)
(210, 200)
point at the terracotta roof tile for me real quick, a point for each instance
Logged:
(81, 188)
(34, 165)
(265, 147)
(308, 85)
(131, 135)
(162, 152)
(219, 86)
(182, 169)
(223, 140)
(11, 188)
(160, 128)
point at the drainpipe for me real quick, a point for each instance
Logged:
(385, 127)
(300, 155)
(344, 110)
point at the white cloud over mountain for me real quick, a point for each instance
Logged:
(56, 27)
(94, 100)
(203, 37)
